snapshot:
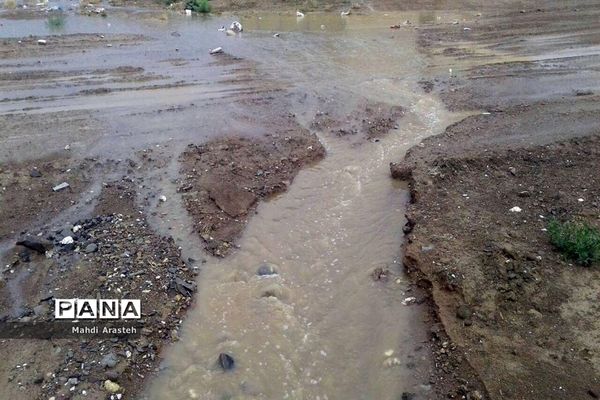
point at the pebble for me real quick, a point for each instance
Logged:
(91, 248)
(408, 301)
(226, 361)
(34, 173)
(276, 291)
(464, 312)
(111, 386)
(67, 240)
(391, 362)
(109, 360)
(266, 269)
(60, 187)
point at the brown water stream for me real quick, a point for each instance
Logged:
(320, 328)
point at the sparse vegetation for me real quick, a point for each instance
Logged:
(199, 6)
(56, 22)
(578, 241)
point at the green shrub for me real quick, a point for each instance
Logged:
(576, 240)
(199, 6)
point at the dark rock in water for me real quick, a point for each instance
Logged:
(380, 274)
(407, 396)
(266, 269)
(33, 245)
(401, 171)
(91, 248)
(464, 312)
(34, 173)
(226, 361)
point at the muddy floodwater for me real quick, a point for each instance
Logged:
(320, 326)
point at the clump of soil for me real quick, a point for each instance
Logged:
(524, 317)
(113, 255)
(225, 178)
(368, 121)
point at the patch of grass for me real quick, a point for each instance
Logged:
(576, 240)
(199, 6)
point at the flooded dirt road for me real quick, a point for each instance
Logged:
(294, 268)
(131, 91)
(320, 326)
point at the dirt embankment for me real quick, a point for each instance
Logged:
(225, 178)
(523, 317)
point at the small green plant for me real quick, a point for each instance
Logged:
(576, 240)
(199, 6)
(56, 22)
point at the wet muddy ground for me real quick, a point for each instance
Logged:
(158, 139)
(275, 154)
(518, 312)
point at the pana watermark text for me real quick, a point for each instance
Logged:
(85, 309)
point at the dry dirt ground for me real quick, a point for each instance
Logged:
(524, 318)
